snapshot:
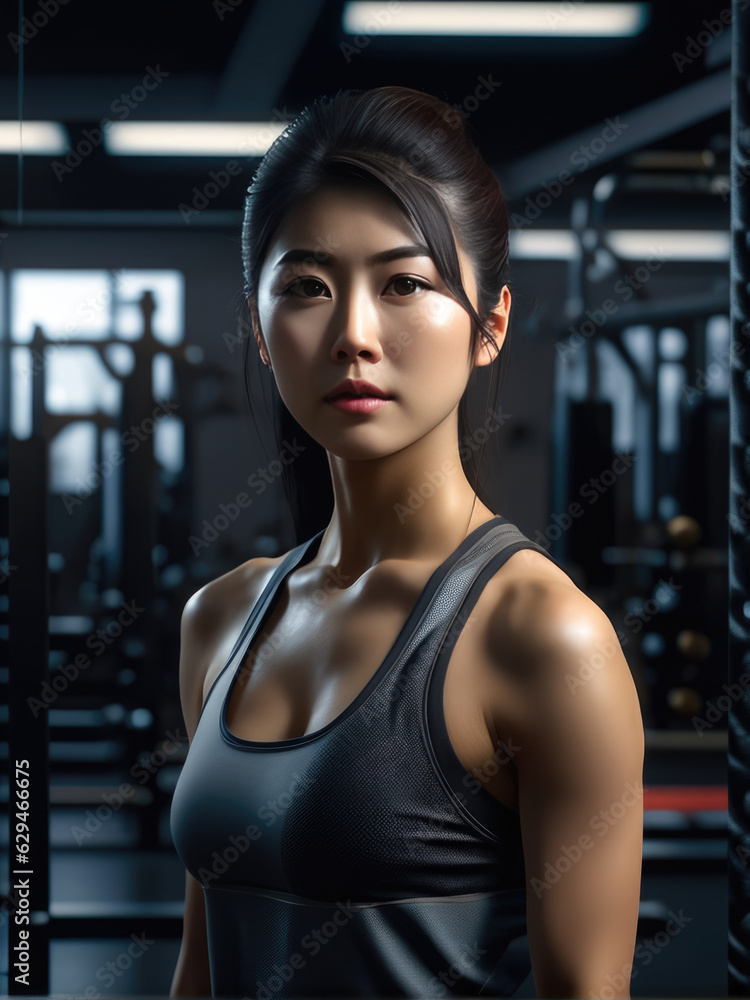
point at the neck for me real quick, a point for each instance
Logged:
(413, 504)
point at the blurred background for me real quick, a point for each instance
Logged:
(127, 437)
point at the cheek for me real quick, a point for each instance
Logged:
(289, 333)
(441, 335)
(442, 313)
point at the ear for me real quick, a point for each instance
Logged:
(498, 323)
(257, 332)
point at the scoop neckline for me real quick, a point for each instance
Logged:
(269, 597)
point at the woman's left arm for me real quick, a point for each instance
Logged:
(576, 719)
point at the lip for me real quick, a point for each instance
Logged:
(358, 404)
(356, 388)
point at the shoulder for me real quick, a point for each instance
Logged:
(221, 598)
(540, 621)
(562, 679)
(211, 621)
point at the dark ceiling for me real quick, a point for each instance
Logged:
(259, 59)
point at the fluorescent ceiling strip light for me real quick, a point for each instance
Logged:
(543, 244)
(629, 244)
(191, 138)
(674, 244)
(34, 138)
(596, 20)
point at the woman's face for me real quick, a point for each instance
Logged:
(344, 292)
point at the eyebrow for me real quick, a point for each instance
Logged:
(384, 257)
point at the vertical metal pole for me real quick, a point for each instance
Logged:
(739, 522)
(28, 732)
(140, 490)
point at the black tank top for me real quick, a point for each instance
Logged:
(362, 860)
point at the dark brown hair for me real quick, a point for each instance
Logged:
(416, 148)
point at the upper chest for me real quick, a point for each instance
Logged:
(319, 648)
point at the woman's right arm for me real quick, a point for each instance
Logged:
(192, 976)
(211, 621)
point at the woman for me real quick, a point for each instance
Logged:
(434, 746)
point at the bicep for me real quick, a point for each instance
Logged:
(197, 637)
(580, 800)
(192, 972)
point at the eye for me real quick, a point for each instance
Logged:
(312, 288)
(409, 284)
(311, 285)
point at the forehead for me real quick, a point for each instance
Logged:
(334, 214)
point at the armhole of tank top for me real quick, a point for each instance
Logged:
(259, 608)
(487, 814)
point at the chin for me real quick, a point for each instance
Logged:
(358, 451)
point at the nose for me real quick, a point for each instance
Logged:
(357, 326)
